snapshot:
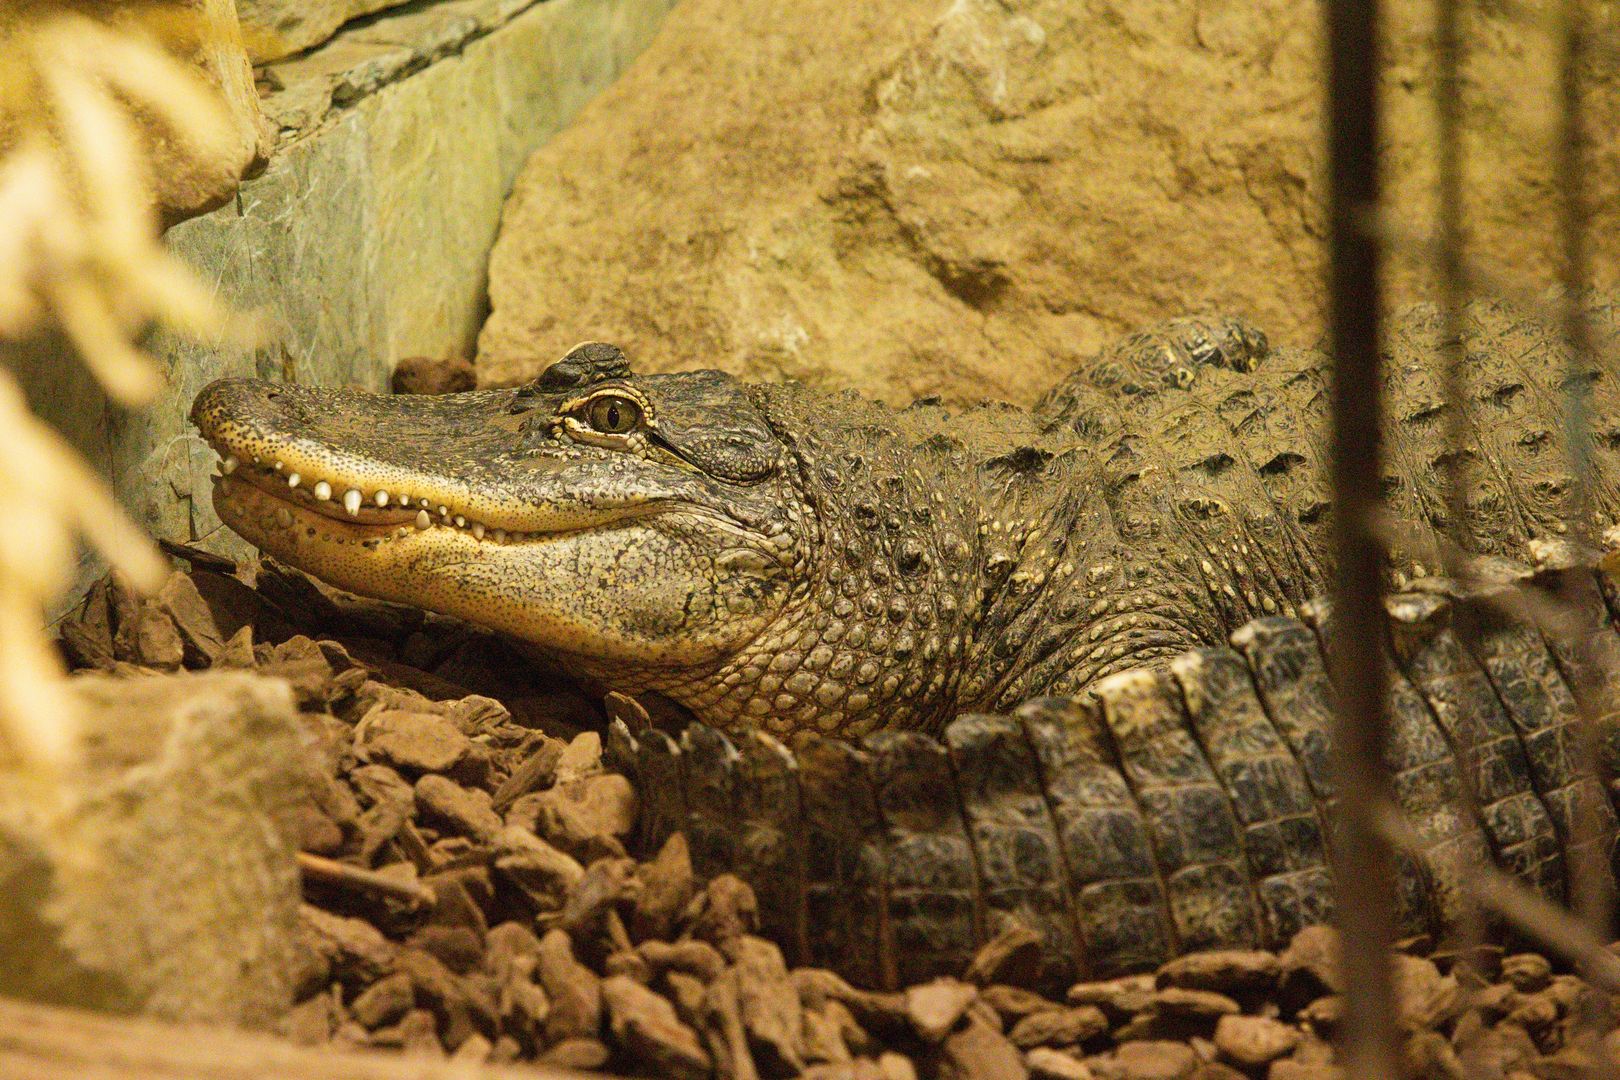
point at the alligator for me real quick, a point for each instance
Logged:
(958, 671)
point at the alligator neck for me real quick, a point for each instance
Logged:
(885, 609)
(1069, 597)
(947, 582)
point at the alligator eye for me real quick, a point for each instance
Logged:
(612, 414)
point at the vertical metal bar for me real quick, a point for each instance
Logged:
(1452, 274)
(1365, 870)
(1574, 268)
(1452, 271)
(1593, 899)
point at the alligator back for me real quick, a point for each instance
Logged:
(1240, 443)
(1213, 503)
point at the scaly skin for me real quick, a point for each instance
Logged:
(783, 561)
(773, 557)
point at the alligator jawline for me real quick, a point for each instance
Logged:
(372, 523)
(324, 503)
(274, 485)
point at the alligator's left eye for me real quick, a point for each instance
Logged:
(613, 414)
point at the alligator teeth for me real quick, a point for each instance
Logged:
(354, 501)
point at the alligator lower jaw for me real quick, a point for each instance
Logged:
(279, 523)
(383, 559)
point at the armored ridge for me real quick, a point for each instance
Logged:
(782, 561)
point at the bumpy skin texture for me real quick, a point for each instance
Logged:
(827, 570)
(1170, 809)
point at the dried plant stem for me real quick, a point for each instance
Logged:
(332, 872)
(1556, 927)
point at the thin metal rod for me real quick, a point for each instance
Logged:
(1593, 890)
(1575, 263)
(1493, 281)
(1453, 276)
(1601, 42)
(1365, 862)
(1452, 270)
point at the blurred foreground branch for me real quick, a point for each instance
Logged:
(80, 256)
(1531, 914)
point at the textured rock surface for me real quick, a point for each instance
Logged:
(964, 197)
(278, 28)
(186, 184)
(168, 888)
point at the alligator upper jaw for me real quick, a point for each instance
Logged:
(356, 458)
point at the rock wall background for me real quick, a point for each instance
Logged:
(279, 28)
(964, 196)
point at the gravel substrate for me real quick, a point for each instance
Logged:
(470, 893)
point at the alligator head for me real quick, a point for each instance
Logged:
(766, 555)
(610, 519)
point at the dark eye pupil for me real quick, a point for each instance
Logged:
(614, 416)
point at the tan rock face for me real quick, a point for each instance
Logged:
(966, 197)
(278, 28)
(187, 184)
(164, 890)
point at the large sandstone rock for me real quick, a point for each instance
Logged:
(165, 886)
(967, 195)
(188, 184)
